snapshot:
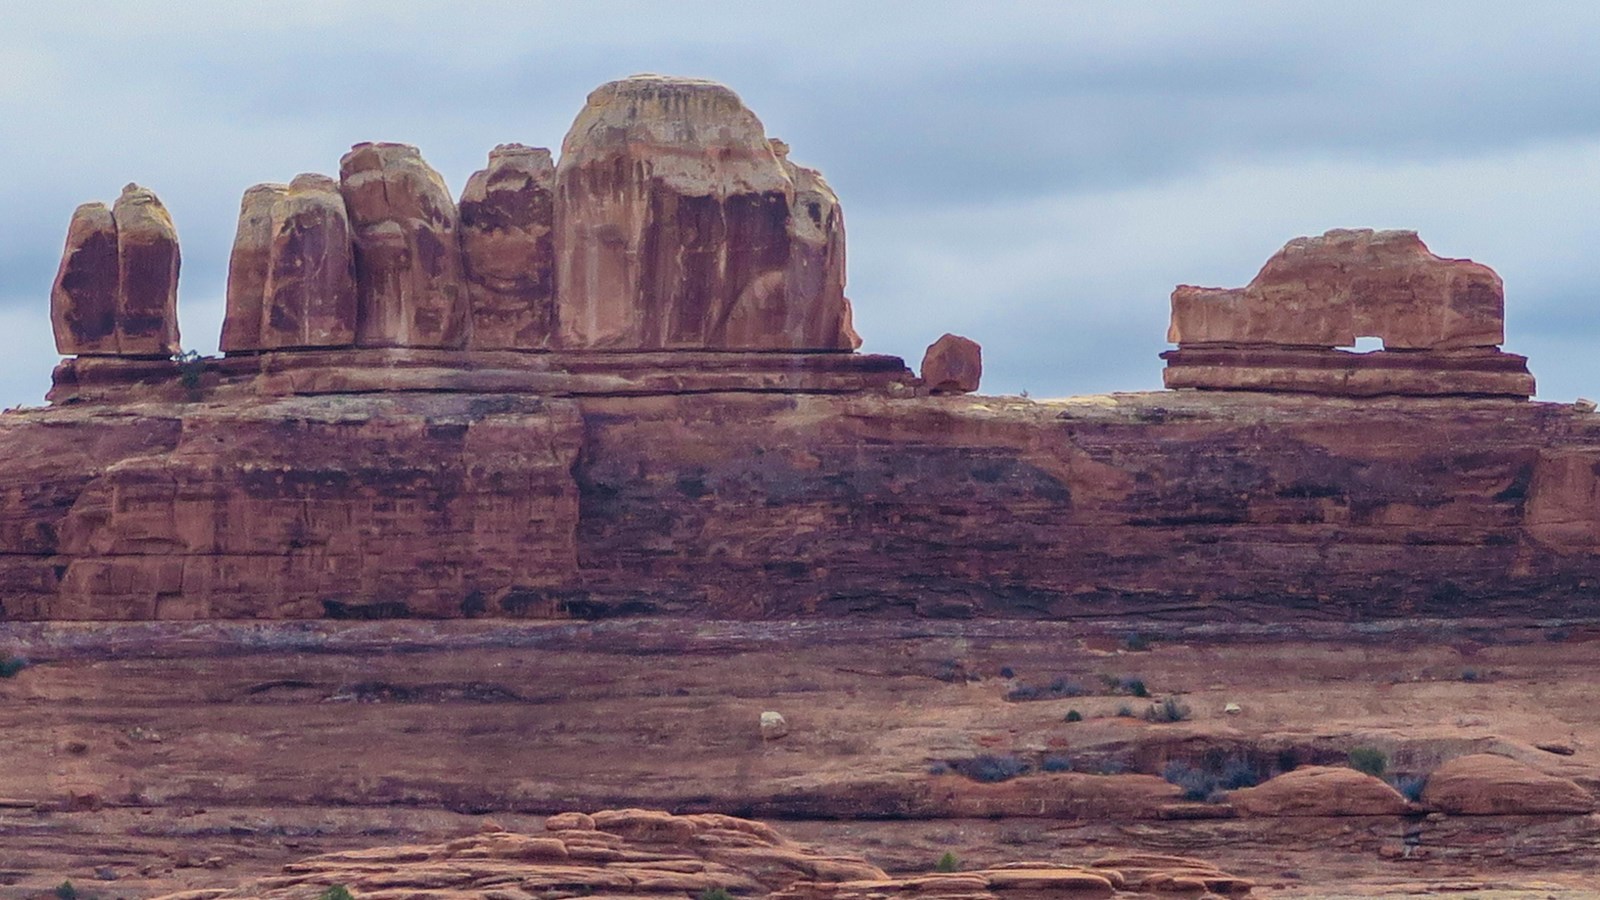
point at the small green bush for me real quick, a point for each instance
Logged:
(1369, 760)
(946, 863)
(1124, 711)
(1056, 763)
(337, 892)
(1074, 716)
(1136, 642)
(65, 891)
(11, 665)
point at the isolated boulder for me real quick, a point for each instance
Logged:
(407, 249)
(952, 365)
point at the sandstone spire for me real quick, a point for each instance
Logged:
(116, 292)
(675, 228)
(407, 249)
(508, 249)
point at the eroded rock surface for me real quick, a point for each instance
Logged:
(508, 249)
(1320, 791)
(678, 227)
(116, 291)
(407, 249)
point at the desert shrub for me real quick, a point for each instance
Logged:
(1022, 692)
(65, 891)
(340, 892)
(1169, 710)
(11, 665)
(1124, 711)
(1058, 687)
(939, 767)
(1197, 785)
(1110, 767)
(1056, 763)
(1238, 773)
(1470, 675)
(1007, 672)
(991, 768)
(191, 368)
(950, 671)
(947, 863)
(1410, 786)
(1064, 687)
(1125, 685)
(1136, 642)
(1369, 760)
(1557, 635)
(1074, 716)
(715, 893)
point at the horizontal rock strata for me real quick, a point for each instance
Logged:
(803, 505)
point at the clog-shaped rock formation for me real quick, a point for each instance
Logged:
(291, 278)
(116, 292)
(1441, 322)
(644, 853)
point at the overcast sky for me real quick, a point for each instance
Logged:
(1036, 176)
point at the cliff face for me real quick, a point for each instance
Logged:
(760, 505)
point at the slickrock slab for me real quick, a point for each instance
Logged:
(116, 292)
(1484, 784)
(1320, 791)
(692, 858)
(408, 249)
(508, 249)
(679, 227)
(291, 277)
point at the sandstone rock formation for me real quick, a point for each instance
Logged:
(1484, 784)
(643, 853)
(291, 279)
(407, 249)
(508, 249)
(952, 365)
(116, 291)
(679, 227)
(1441, 321)
(1320, 791)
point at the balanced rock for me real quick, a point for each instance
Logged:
(407, 249)
(1484, 784)
(679, 227)
(508, 249)
(1327, 291)
(1320, 791)
(116, 291)
(952, 365)
(291, 279)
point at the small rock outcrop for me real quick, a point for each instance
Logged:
(678, 226)
(1441, 322)
(508, 249)
(291, 277)
(407, 249)
(116, 292)
(1320, 791)
(1484, 784)
(952, 365)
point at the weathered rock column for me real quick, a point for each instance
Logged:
(407, 249)
(675, 229)
(116, 292)
(508, 249)
(291, 281)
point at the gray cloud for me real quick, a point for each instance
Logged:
(1037, 175)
